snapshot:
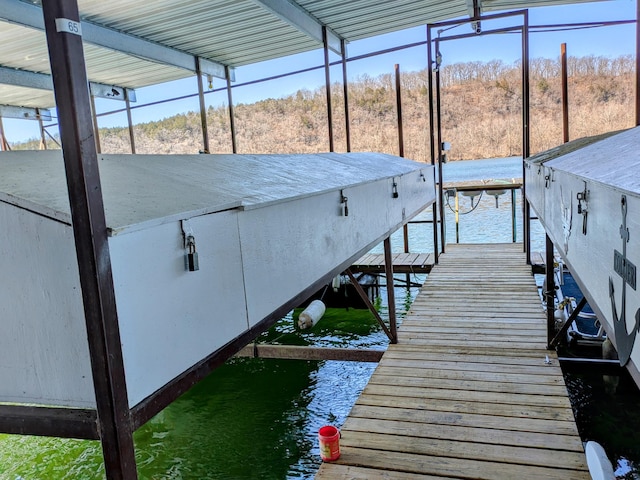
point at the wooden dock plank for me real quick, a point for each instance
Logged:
(469, 391)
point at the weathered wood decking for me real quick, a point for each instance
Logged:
(418, 262)
(466, 393)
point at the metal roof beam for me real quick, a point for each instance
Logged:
(24, 113)
(28, 15)
(301, 19)
(42, 81)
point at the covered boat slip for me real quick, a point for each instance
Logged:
(244, 217)
(587, 196)
(470, 390)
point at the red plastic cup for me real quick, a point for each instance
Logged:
(329, 437)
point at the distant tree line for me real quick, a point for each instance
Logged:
(481, 113)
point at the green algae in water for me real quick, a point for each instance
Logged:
(245, 421)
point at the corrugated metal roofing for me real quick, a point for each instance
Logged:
(228, 32)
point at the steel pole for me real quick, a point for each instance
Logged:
(68, 71)
(434, 208)
(132, 136)
(232, 115)
(391, 297)
(565, 93)
(550, 291)
(203, 109)
(327, 80)
(526, 220)
(345, 87)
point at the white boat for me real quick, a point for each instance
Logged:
(587, 196)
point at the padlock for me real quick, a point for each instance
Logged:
(191, 259)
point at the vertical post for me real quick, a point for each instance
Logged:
(565, 93)
(550, 292)
(3, 140)
(94, 120)
(399, 111)
(439, 146)
(637, 63)
(526, 214)
(62, 26)
(405, 227)
(327, 81)
(434, 208)
(43, 139)
(345, 87)
(514, 231)
(132, 137)
(457, 212)
(203, 109)
(232, 116)
(391, 297)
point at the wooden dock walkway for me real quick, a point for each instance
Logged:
(418, 262)
(467, 392)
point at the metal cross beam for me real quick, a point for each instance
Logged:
(302, 20)
(28, 15)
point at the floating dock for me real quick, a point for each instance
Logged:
(470, 390)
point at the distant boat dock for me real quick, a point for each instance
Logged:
(470, 390)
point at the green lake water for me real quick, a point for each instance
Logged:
(258, 418)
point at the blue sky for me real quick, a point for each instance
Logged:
(605, 41)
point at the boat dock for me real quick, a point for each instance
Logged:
(419, 262)
(470, 390)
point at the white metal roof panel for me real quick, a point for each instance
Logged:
(359, 19)
(229, 32)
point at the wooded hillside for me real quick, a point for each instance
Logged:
(481, 111)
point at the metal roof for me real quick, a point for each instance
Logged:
(132, 44)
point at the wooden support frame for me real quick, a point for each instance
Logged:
(90, 233)
(296, 352)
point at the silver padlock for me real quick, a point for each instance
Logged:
(191, 259)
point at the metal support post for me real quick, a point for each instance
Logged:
(456, 208)
(550, 291)
(567, 323)
(62, 25)
(391, 297)
(345, 86)
(565, 93)
(232, 116)
(526, 220)
(638, 63)
(94, 121)
(4, 145)
(203, 109)
(132, 137)
(43, 139)
(439, 146)
(327, 81)
(514, 228)
(434, 208)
